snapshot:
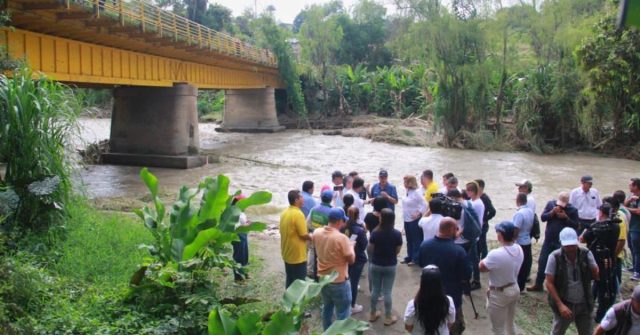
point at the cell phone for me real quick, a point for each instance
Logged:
(338, 188)
(353, 238)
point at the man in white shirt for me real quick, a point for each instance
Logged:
(587, 200)
(337, 181)
(523, 221)
(430, 224)
(622, 318)
(503, 265)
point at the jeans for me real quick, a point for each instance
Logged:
(355, 272)
(483, 249)
(471, 248)
(501, 307)
(414, 236)
(240, 255)
(634, 236)
(547, 249)
(295, 271)
(525, 269)
(336, 297)
(382, 278)
(581, 316)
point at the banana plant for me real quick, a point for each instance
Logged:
(191, 228)
(288, 320)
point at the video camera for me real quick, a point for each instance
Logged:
(450, 207)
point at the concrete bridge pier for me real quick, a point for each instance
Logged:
(250, 110)
(153, 126)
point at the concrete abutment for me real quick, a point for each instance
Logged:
(153, 126)
(250, 110)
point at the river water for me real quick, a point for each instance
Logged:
(282, 161)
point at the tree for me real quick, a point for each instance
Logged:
(217, 17)
(320, 39)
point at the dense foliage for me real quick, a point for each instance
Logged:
(551, 73)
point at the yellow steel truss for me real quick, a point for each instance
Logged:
(79, 62)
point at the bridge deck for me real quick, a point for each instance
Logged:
(135, 28)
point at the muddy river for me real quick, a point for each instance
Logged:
(280, 162)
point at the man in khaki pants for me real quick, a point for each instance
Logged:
(503, 265)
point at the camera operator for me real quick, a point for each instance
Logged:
(602, 239)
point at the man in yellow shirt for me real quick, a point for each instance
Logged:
(293, 237)
(428, 185)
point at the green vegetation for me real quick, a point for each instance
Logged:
(535, 75)
(210, 105)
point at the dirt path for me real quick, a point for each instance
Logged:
(267, 248)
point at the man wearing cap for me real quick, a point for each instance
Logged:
(503, 265)
(453, 263)
(633, 206)
(526, 187)
(623, 318)
(558, 214)
(335, 253)
(318, 217)
(569, 273)
(385, 190)
(293, 237)
(337, 181)
(587, 200)
(606, 287)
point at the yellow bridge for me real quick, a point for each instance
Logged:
(156, 61)
(117, 42)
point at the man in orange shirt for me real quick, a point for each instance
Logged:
(293, 239)
(335, 253)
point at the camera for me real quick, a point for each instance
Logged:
(450, 207)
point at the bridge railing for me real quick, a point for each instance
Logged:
(152, 19)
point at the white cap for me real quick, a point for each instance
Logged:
(568, 236)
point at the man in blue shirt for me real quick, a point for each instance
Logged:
(453, 263)
(307, 194)
(523, 221)
(385, 190)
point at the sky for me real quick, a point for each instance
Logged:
(286, 10)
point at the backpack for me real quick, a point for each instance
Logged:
(472, 228)
(535, 229)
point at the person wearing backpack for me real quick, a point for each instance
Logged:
(473, 214)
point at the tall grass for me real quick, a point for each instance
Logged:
(37, 120)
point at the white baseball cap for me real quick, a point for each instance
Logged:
(568, 236)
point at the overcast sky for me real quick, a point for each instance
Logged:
(286, 10)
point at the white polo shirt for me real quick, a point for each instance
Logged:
(587, 203)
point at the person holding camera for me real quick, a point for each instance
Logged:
(337, 179)
(569, 273)
(602, 239)
(623, 318)
(558, 214)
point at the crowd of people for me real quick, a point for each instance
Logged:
(445, 231)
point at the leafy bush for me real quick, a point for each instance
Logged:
(38, 118)
(189, 249)
(287, 320)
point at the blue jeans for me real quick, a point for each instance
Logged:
(382, 278)
(634, 236)
(547, 249)
(414, 236)
(483, 249)
(338, 297)
(355, 272)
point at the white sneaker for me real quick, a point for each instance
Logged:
(356, 309)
